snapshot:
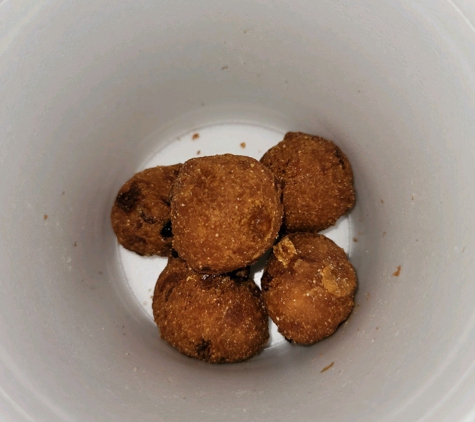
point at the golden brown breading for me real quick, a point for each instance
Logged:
(141, 212)
(215, 318)
(225, 212)
(316, 178)
(308, 287)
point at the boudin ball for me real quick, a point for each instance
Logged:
(308, 287)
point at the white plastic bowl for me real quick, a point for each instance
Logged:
(92, 91)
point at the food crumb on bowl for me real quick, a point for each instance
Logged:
(195, 136)
(397, 272)
(327, 367)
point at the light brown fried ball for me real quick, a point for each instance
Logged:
(215, 318)
(225, 212)
(316, 179)
(141, 212)
(308, 287)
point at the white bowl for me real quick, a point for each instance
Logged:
(92, 91)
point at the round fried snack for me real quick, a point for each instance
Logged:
(141, 212)
(308, 287)
(215, 318)
(316, 179)
(225, 212)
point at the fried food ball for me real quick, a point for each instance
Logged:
(215, 318)
(141, 212)
(225, 212)
(316, 178)
(308, 287)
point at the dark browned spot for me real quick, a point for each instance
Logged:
(174, 253)
(147, 218)
(254, 289)
(166, 230)
(45, 217)
(208, 281)
(260, 221)
(239, 275)
(169, 292)
(132, 239)
(127, 201)
(203, 349)
(289, 340)
(339, 155)
(266, 281)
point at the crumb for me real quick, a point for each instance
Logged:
(463, 249)
(75, 243)
(135, 369)
(258, 75)
(327, 367)
(45, 217)
(202, 104)
(151, 297)
(245, 31)
(100, 272)
(62, 193)
(367, 296)
(150, 290)
(198, 152)
(382, 202)
(224, 68)
(384, 234)
(144, 303)
(377, 328)
(243, 144)
(412, 197)
(397, 272)
(195, 136)
(355, 239)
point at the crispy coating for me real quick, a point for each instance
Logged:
(308, 287)
(215, 318)
(316, 179)
(225, 212)
(140, 215)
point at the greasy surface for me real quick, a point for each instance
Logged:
(316, 179)
(141, 212)
(308, 287)
(213, 318)
(225, 212)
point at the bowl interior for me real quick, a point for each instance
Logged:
(95, 91)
